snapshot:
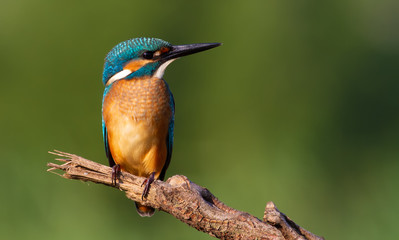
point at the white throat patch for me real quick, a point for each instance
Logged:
(119, 75)
(161, 70)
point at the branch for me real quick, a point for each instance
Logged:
(188, 202)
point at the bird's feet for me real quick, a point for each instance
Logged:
(147, 183)
(116, 170)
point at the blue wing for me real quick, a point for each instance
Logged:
(169, 138)
(105, 135)
(107, 150)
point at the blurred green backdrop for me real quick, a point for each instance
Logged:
(301, 102)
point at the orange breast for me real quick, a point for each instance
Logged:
(137, 113)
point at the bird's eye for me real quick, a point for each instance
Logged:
(148, 55)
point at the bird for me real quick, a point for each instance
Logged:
(138, 108)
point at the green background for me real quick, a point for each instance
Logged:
(299, 106)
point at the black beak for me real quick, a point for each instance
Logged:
(184, 50)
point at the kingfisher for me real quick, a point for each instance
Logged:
(138, 108)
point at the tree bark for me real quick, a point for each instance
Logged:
(188, 202)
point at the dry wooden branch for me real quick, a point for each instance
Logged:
(188, 202)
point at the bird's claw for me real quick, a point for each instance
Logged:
(147, 183)
(116, 170)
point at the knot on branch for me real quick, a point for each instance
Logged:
(179, 181)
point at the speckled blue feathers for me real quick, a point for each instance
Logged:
(127, 50)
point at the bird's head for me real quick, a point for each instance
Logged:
(141, 57)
